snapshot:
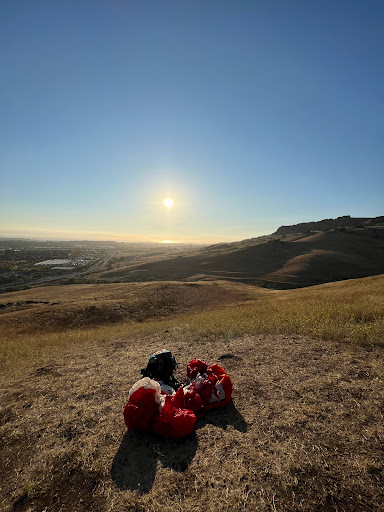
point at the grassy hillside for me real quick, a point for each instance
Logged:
(304, 432)
(37, 321)
(276, 261)
(55, 308)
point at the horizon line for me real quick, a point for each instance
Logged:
(122, 239)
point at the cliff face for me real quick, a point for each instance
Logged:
(321, 225)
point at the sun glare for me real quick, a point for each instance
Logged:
(168, 202)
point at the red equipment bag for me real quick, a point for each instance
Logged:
(174, 414)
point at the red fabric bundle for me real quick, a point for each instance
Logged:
(175, 415)
(223, 381)
(173, 421)
(196, 366)
(139, 410)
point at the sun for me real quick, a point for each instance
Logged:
(168, 202)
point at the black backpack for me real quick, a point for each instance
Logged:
(161, 366)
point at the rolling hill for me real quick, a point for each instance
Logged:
(55, 308)
(292, 257)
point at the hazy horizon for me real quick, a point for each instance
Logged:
(99, 237)
(248, 115)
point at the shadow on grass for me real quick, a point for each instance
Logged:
(134, 465)
(223, 418)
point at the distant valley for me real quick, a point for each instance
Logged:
(294, 256)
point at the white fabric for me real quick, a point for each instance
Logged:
(166, 389)
(220, 392)
(199, 380)
(147, 383)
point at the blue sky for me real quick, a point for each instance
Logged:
(249, 114)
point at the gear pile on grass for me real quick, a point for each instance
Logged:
(160, 404)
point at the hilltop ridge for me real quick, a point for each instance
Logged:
(321, 225)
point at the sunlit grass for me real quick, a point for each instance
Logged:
(321, 318)
(351, 311)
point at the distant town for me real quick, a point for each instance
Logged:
(26, 262)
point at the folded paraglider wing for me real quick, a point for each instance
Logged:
(143, 404)
(174, 414)
(223, 387)
(173, 421)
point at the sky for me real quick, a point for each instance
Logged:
(249, 114)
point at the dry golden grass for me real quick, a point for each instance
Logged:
(350, 310)
(304, 433)
(41, 322)
(56, 308)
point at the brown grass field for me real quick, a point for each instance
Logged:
(304, 432)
